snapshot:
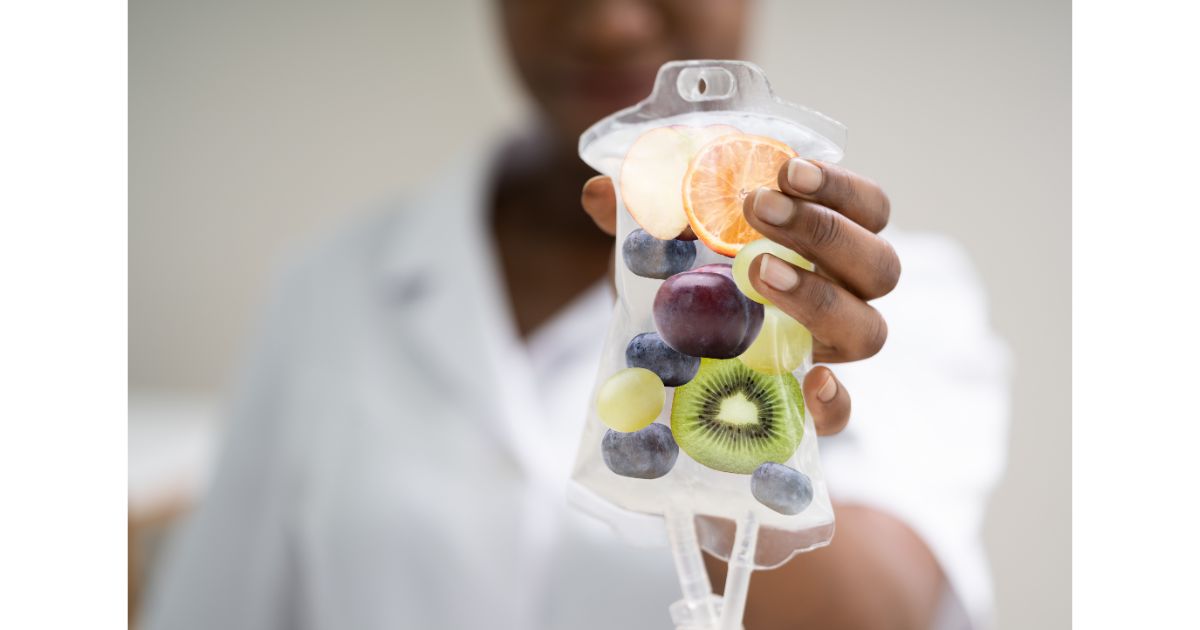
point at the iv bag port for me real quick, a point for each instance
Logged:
(705, 84)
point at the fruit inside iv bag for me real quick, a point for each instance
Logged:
(727, 354)
(658, 158)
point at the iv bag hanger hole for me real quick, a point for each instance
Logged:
(705, 84)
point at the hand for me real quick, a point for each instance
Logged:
(830, 216)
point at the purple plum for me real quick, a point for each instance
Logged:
(702, 313)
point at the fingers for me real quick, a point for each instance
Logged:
(827, 400)
(856, 257)
(599, 200)
(848, 328)
(854, 196)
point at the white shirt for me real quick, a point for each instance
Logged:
(397, 457)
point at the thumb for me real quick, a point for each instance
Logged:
(827, 400)
(599, 200)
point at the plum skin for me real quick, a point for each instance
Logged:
(702, 313)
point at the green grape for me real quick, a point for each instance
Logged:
(781, 345)
(630, 399)
(750, 251)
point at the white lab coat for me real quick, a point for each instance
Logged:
(397, 457)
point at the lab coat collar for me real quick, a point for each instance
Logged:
(439, 264)
(419, 240)
(463, 191)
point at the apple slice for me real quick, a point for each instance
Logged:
(652, 175)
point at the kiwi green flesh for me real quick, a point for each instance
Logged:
(732, 418)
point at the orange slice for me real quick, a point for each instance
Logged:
(720, 177)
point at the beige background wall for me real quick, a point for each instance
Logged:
(257, 125)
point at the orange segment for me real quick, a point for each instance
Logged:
(719, 178)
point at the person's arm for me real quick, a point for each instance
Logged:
(875, 575)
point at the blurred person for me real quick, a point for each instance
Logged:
(399, 448)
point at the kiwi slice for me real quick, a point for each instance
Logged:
(732, 418)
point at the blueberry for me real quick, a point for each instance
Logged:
(649, 351)
(646, 454)
(781, 488)
(650, 257)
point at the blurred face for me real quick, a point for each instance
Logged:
(583, 59)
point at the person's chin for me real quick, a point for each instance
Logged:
(585, 109)
(614, 92)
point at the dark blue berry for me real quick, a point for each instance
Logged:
(650, 257)
(646, 454)
(781, 488)
(649, 351)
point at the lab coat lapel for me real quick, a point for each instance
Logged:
(454, 317)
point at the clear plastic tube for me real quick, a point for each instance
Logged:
(697, 609)
(737, 580)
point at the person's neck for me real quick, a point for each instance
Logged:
(549, 249)
(537, 182)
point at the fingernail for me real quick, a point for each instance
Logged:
(772, 206)
(777, 274)
(804, 176)
(828, 390)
